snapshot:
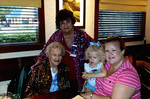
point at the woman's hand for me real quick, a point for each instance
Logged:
(86, 95)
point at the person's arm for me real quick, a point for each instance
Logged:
(120, 91)
(87, 95)
(38, 62)
(100, 74)
(84, 75)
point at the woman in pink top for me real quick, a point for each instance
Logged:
(122, 80)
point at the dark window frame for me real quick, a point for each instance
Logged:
(134, 38)
(39, 46)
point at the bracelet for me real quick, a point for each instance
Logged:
(33, 66)
(91, 96)
(31, 69)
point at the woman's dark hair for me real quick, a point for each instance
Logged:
(119, 40)
(64, 14)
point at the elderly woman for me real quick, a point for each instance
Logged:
(122, 80)
(51, 75)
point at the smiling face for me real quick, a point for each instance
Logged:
(94, 58)
(66, 25)
(55, 56)
(113, 53)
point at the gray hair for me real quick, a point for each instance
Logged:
(55, 45)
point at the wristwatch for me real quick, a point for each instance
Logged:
(91, 95)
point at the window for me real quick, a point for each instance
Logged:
(21, 28)
(120, 23)
(19, 25)
(130, 25)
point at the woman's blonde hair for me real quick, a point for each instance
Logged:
(55, 45)
(95, 48)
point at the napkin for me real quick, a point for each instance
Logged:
(78, 97)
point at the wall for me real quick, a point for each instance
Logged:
(50, 13)
(147, 32)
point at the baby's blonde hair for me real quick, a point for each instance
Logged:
(55, 45)
(98, 49)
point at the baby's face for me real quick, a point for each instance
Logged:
(94, 57)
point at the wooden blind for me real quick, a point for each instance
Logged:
(24, 3)
(124, 5)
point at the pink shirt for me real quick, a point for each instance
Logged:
(126, 75)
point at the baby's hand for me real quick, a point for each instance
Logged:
(85, 75)
(88, 75)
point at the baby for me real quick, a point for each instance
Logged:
(95, 68)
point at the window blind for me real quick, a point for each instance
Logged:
(24, 3)
(120, 23)
(18, 25)
(123, 5)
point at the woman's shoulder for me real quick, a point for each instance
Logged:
(80, 32)
(56, 36)
(127, 73)
(57, 32)
(127, 70)
(126, 65)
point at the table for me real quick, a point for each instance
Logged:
(62, 94)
